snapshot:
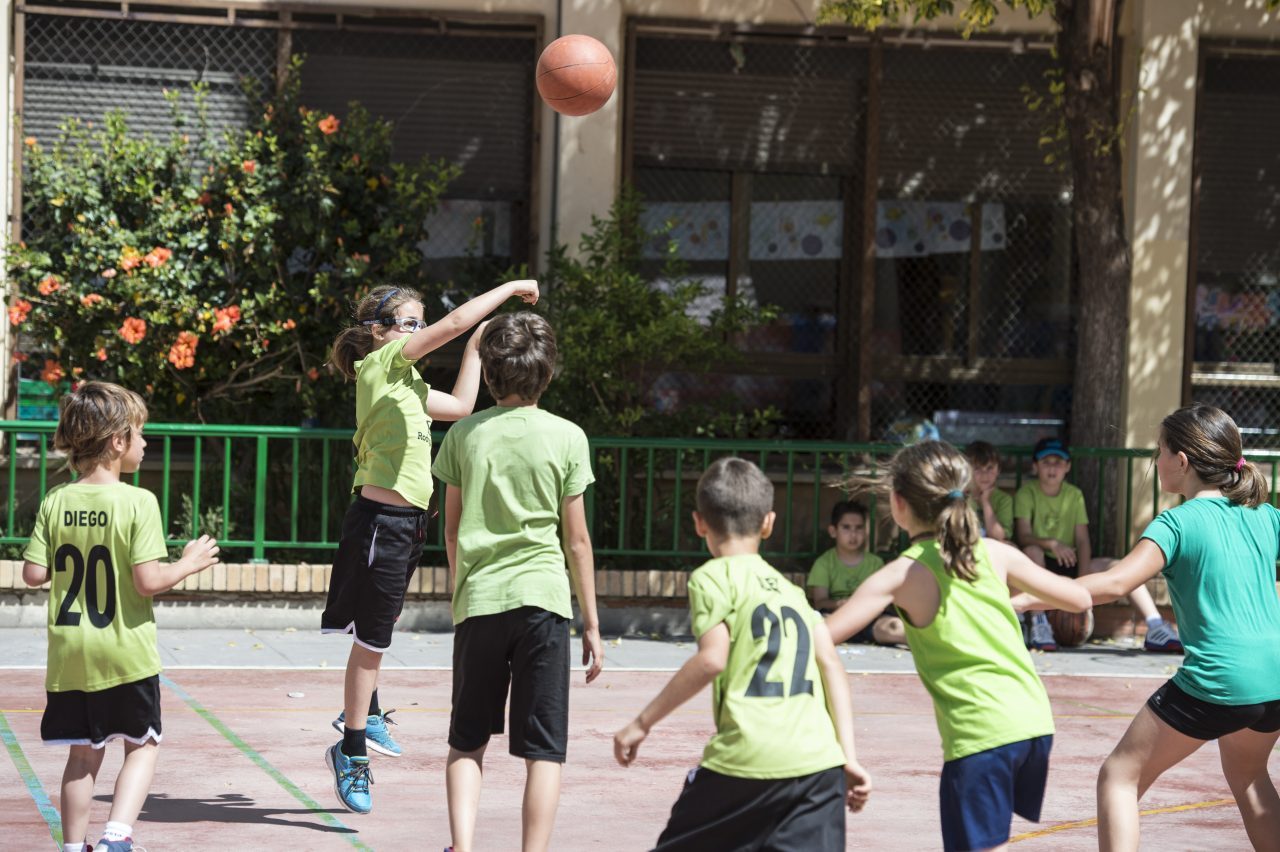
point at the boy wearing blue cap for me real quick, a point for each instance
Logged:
(1052, 527)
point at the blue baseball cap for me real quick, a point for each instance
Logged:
(1051, 447)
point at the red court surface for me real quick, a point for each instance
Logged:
(242, 766)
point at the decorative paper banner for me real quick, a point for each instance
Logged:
(1233, 311)
(796, 230)
(919, 228)
(699, 228)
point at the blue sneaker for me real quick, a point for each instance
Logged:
(105, 845)
(376, 733)
(351, 779)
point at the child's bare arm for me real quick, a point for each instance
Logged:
(840, 706)
(154, 577)
(1145, 561)
(452, 517)
(702, 668)
(1056, 591)
(582, 572)
(33, 574)
(460, 403)
(868, 601)
(460, 319)
(820, 596)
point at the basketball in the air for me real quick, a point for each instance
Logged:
(576, 75)
(1071, 629)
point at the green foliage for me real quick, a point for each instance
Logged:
(619, 330)
(975, 15)
(212, 277)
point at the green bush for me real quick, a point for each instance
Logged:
(211, 275)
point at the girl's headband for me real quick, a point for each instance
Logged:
(377, 312)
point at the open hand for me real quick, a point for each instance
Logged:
(1066, 556)
(201, 553)
(858, 786)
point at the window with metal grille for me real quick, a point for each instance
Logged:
(1234, 283)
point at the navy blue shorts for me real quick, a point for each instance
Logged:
(980, 793)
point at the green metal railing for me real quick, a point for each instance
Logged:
(282, 491)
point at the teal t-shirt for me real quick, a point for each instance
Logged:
(1051, 517)
(1220, 561)
(515, 466)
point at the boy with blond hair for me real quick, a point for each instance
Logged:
(99, 542)
(780, 769)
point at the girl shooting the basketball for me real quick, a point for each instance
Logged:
(1218, 553)
(384, 530)
(951, 589)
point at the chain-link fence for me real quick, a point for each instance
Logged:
(770, 152)
(1236, 281)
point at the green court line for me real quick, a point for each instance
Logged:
(275, 774)
(34, 787)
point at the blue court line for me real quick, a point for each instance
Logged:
(275, 774)
(34, 787)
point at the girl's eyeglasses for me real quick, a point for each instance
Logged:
(409, 324)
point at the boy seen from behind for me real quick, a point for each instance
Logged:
(836, 574)
(1052, 527)
(99, 543)
(781, 767)
(514, 479)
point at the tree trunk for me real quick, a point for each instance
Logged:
(1087, 50)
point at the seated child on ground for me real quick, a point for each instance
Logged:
(993, 507)
(838, 572)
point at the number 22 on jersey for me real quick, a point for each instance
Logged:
(771, 626)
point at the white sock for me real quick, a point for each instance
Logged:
(1154, 621)
(73, 847)
(117, 831)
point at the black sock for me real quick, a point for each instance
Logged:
(353, 742)
(374, 709)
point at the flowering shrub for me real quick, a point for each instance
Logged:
(211, 275)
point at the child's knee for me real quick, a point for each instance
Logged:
(888, 630)
(84, 760)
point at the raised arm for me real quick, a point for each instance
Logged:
(702, 668)
(582, 573)
(461, 318)
(840, 705)
(154, 577)
(460, 403)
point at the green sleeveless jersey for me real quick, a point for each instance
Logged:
(101, 631)
(769, 702)
(393, 430)
(973, 663)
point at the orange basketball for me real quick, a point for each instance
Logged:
(1071, 629)
(576, 75)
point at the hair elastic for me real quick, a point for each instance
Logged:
(1239, 464)
(377, 312)
(955, 495)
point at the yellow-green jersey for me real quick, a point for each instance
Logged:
(972, 661)
(393, 430)
(769, 702)
(1002, 505)
(101, 631)
(838, 578)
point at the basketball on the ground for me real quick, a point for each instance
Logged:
(1071, 629)
(576, 75)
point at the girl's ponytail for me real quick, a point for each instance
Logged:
(1210, 440)
(356, 342)
(351, 345)
(932, 478)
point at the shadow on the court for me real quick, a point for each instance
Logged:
(229, 807)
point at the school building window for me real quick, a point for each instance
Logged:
(1233, 315)
(891, 199)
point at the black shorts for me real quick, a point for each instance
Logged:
(1051, 563)
(379, 550)
(1203, 720)
(130, 711)
(725, 813)
(526, 649)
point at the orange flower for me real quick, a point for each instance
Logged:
(49, 285)
(101, 354)
(108, 273)
(313, 374)
(225, 318)
(328, 125)
(52, 372)
(18, 311)
(77, 371)
(19, 357)
(289, 325)
(133, 330)
(249, 166)
(182, 355)
(130, 258)
(157, 257)
(90, 300)
(30, 141)
(227, 207)
(204, 199)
